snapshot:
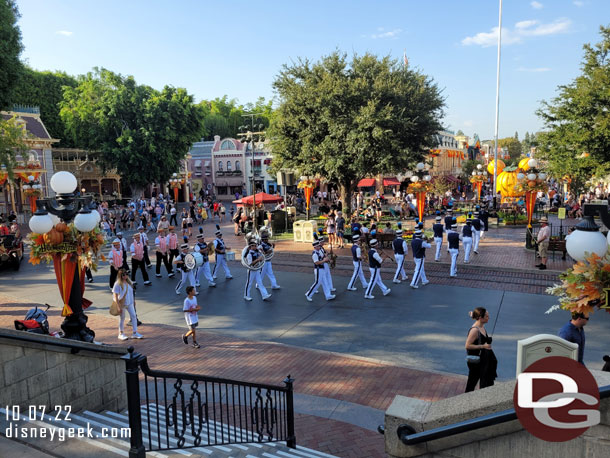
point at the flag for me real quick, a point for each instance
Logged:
(404, 58)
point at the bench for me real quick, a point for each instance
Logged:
(558, 245)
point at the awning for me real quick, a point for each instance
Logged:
(391, 182)
(366, 182)
(197, 163)
(206, 164)
(452, 178)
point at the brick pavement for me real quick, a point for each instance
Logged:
(324, 374)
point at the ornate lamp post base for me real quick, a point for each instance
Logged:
(75, 328)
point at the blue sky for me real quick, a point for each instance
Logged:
(237, 47)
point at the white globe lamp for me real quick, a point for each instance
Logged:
(85, 221)
(420, 166)
(40, 223)
(63, 182)
(585, 240)
(479, 166)
(414, 179)
(533, 163)
(531, 176)
(54, 218)
(542, 176)
(520, 176)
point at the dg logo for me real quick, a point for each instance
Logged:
(556, 399)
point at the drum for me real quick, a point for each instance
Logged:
(198, 259)
(189, 261)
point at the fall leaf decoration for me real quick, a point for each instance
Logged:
(584, 287)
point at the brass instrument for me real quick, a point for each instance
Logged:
(260, 262)
(332, 258)
(269, 253)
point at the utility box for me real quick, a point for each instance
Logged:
(297, 231)
(541, 346)
(292, 211)
(309, 229)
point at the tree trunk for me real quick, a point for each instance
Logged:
(346, 197)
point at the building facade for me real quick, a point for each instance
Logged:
(259, 167)
(228, 163)
(200, 167)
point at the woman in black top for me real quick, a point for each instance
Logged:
(478, 343)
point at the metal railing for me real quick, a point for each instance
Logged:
(188, 410)
(409, 436)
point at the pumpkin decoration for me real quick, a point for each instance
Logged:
(490, 167)
(532, 183)
(54, 237)
(506, 184)
(62, 227)
(523, 164)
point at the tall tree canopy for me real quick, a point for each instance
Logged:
(12, 143)
(10, 49)
(347, 120)
(141, 132)
(576, 143)
(45, 90)
(224, 117)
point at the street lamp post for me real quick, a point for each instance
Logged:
(67, 206)
(249, 136)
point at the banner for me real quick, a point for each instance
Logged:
(308, 190)
(64, 273)
(421, 203)
(530, 202)
(176, 194)
(479, 185)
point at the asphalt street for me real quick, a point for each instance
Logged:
(424, 328)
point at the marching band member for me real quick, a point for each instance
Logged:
(162, 254)
(449, 219)
(172, 243)
(115, 258)
(220, 250)
(477, 228)
(400, 250)
(137, 260)
(123, 242)
(253, 258)
(144, 240)
(357, 261)
(319, 260)
(202, 247)
(329, 278)
(375, 261)
(438, 229)
(484, 217)
(186, 273)
(467, 240)
(267, 271)
(453, 239)
(418, 245)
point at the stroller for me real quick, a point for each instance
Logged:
(36, 321)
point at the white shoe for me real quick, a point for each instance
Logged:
(308, 298)
(466, 262)
(158, 275)
(387, 291)
(123, 336)
(436, 260)
(405, 279)
(147, 283)
(197, 285)
(214, 277)
(212, 284)
(414, 286)
(425, 282)
(317, 292)
(396, 281)
(352, 289)
(267, 296)
(332, 290)
(137, 335)
(453, 275)
(178, 293)
(276, 287)
(248, 298)
(331, 297)
(369, 297)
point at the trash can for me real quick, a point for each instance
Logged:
(297, 230)
(309, 228)
(278, 221)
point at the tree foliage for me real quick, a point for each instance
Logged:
(576, 143)
(12, 143)
(346, 120)
(468, 166)
(512, 144)
(10, 49)
(141, 132)
(45, 90)
(224, 117)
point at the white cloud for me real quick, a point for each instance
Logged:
(522, 29)
(468, 123)
(537, 5)
(534, 70)
(65, 33)
(578, 3)
(393, 34)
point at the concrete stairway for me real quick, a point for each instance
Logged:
(92, 424)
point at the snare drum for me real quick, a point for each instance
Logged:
(189, 262)
(198, 259)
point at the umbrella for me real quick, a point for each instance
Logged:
(261, 198)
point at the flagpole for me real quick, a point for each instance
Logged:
(497, 103)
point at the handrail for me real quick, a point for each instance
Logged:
(74, 345)
(408, 436)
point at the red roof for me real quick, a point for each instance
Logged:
(366, 182)
(391, 182)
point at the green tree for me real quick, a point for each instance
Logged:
(12, 143)
(45, 90)
(468, 166)
(216, 124)
(440, 185)
(460, 132)
(577, 140)
(10, 49)
(347, 120)
(512, 144)
(140, 132)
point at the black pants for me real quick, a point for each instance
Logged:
(125, 265)
(173, 218)
(478, 373)
(146, 258)
(138, 264)
(88, 274)
(173, 254)
(113, 274)
(163, 258)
